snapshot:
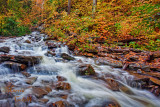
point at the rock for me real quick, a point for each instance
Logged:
(156, 90)
(27, 41)
(85, 69)
(111, 104)
(135, 66)
(134, 58)
(63, 86)
(112, 84)
(156, 54)
(26, 74)
(28, 60)
(31, 80)
(135, 50)
(60, 104)
(15, 66)
(125, 89)
(50, 53)
(5, 58)
(39, 91)
(51, 45)
(4, 49)
(67, 57)
(109, 61)
(60, 78)
(43, 100)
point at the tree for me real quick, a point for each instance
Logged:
(94, 7)
(69, 6)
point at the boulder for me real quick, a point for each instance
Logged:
(62, 86)
(85, 69)
(60, 78)
(40, 91)
(27, 41)
(5, 58)
(31, 80)
(135, 66)
(15, 66)
(26, 74)
(43, 100)
(28, 60)
(109, 61)
(67, 57)
(4, 49)
(60, 104)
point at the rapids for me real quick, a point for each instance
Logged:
(85, 91)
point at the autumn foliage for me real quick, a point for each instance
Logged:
(131, 23)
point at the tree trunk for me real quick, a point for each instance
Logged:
(94, 7)
(69, 6)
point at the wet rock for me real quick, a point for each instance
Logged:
(109, 61)
(60, 78)
(50, 53)
(43, 100)
(28, 60)
(4, 49)
(5, 58)
(67, 57)
(26, 74)
(51, 45)
(15, 66)
(60, 104)
(62, 86)
(156, 90)
(125, 89)
(112, 84)
(136, 66)
(39, 91)
(31, 80)
(27, 41)
(111, 104)
(85, 69)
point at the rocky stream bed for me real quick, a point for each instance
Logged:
(38, 73)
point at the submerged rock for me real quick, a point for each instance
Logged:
(85, 69)
(4, 49)
(112, 84)
(15, 66)
(67, 57)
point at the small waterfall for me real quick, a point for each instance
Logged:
(85, 91)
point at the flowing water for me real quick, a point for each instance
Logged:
(85, 91)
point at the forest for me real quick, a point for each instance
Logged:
(79, 53)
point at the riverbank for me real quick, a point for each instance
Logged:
(34, 72)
